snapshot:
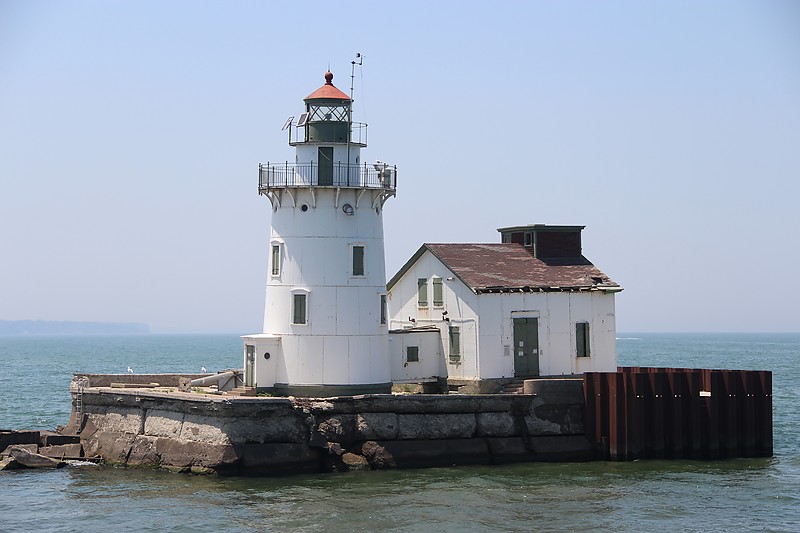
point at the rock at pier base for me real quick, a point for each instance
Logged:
(33, 460)
(9, 463)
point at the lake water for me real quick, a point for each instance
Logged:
(740, 495)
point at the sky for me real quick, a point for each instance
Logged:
(131, 132)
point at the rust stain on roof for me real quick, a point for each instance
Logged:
(503, 267)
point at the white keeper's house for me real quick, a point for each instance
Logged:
(479, 315)
(468, 317)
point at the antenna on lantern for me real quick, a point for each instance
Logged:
(359, 60)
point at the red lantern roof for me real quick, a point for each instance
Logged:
(328, 90)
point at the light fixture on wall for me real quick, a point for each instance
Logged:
(348, 210)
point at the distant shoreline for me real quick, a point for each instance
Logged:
(9, 328)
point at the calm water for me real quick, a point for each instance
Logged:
(754, 495)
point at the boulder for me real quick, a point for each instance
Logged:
(33, 448)
(9, 463)
(33, 460)
(355, 462)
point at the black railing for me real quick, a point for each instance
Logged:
(367, 175)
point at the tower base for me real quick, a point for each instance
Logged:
(325, 391)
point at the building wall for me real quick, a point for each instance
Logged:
(486, 325)
(460, 304)
(558, 313)
(429, 364)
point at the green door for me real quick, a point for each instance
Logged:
(526, 347)
(325, 162)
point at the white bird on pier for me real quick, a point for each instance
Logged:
(203, 369)
(130, 370)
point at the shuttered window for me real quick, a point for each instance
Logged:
(422, 292)
(455, 343)
(299, 309)
(438, 300)
(582, 339)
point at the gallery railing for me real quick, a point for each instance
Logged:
(367, 176)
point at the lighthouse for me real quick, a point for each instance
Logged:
(325, 317)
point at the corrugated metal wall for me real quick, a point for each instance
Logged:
(677, 413)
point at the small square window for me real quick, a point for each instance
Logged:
(412, 354)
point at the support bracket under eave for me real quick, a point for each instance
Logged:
(274, 199)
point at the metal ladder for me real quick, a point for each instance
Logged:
(80, 384)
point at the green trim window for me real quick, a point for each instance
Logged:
(582, 339)
(276, 260)
(299, 309)
(454, 334)
(358, 260)
(383, 309)
(412, 354)
(438, 298)
(422, 292)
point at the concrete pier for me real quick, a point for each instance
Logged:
(271, 436)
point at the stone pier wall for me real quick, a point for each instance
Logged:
(273, 436)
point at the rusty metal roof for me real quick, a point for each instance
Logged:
(512, 268)
(328, 90)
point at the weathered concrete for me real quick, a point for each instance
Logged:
(273, 436)
(62, 451)
(9, 437)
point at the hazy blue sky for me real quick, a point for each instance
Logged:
(130, 134)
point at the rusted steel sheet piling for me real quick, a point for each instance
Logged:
(679, 413)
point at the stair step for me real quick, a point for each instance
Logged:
(243, 391)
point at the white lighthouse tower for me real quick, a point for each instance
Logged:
(325, 320)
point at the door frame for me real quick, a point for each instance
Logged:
(530, 357)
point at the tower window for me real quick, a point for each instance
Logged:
(358, 260)
(528, 238)
(438, 299)
(276, 260)
(383, 309)
(422, 292)
(299, 309)
(582, 339)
